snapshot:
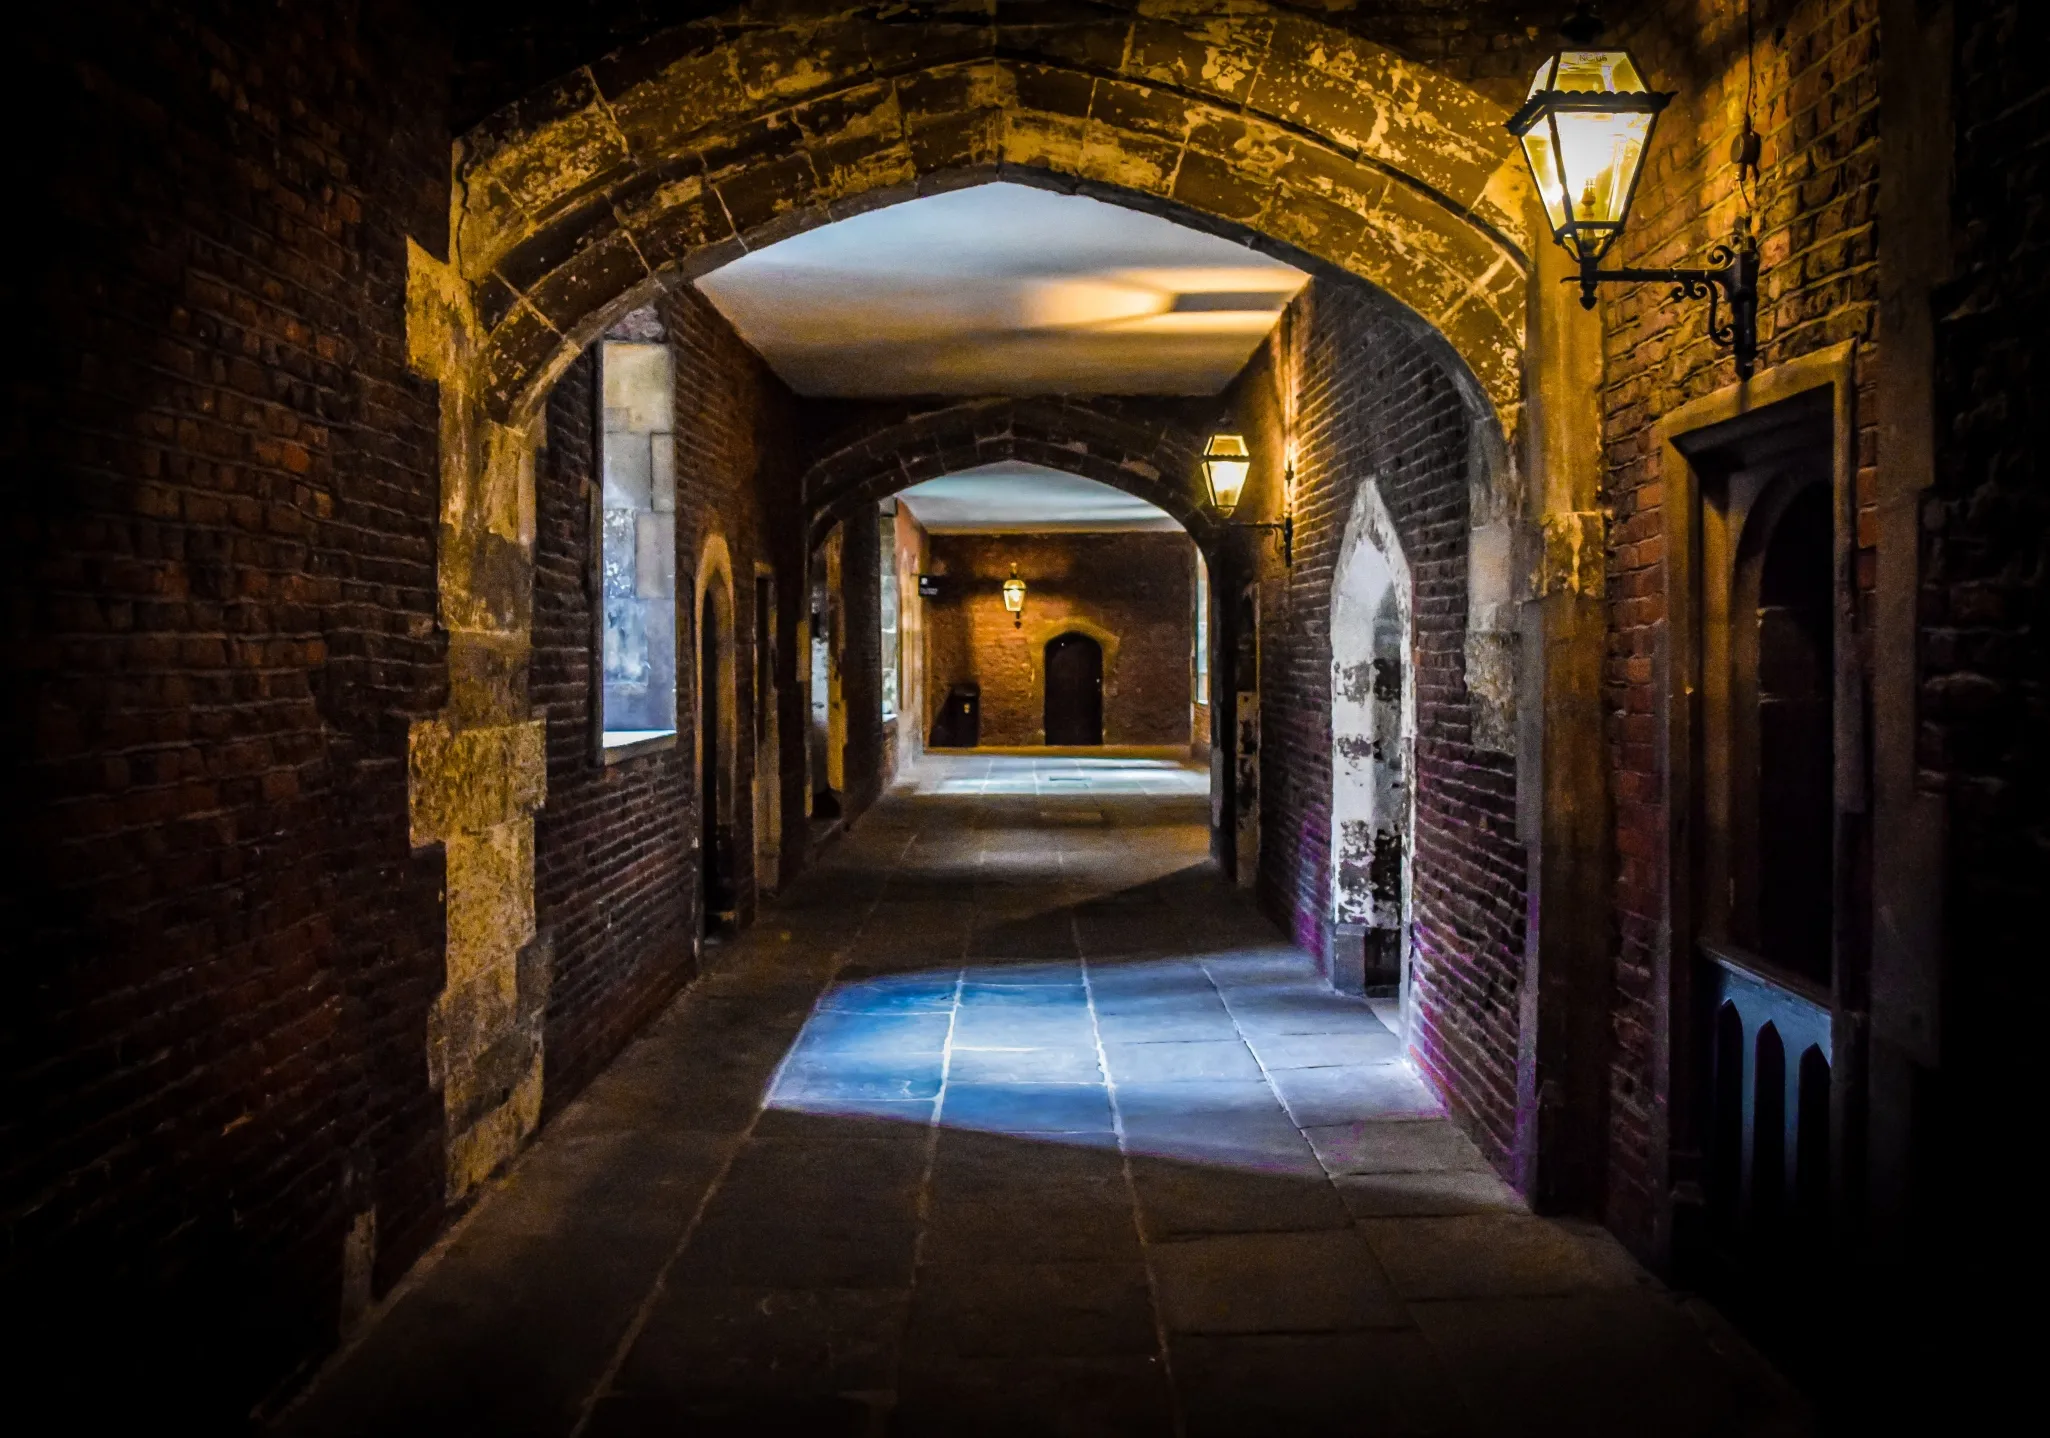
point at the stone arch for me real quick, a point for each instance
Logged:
(676, 154)
(1373, 736)
(667, 158)
(1153, 458)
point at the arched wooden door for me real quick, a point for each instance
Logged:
(1074, 690)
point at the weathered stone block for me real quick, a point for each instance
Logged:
(469, 780)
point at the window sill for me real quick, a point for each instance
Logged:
(623, 744)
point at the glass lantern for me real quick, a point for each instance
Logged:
(1584, 129)
(1226, 463)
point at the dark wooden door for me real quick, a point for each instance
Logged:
(1074, 690)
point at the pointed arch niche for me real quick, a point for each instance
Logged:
(1373, 738)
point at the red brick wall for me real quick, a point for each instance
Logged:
(218, 949)
(1136, 586)
(617, 868)
(1817, 92)
(1377, 404)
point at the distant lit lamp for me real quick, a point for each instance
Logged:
(1014, 598)
(1226, 464)
(1584, 128)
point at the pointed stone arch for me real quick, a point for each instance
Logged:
(1373, 737)
(672, 156)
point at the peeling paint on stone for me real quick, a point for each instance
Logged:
(1571, 552)
(1373, 721)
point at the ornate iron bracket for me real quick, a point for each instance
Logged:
(1284, 526)
(1734, 278)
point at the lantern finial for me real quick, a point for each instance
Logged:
(1584, 25)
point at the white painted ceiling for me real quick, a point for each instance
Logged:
(1021, 498)
(1003, 289)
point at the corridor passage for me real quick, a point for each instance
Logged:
(1011, 1117)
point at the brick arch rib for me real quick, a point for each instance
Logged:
(1154, 458)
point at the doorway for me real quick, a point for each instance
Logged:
(1373, 742)
(1764, 874)
(1791, 722)
(715, 840)
(1074, 690)
(768, 765)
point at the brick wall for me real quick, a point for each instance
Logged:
(1816, 106)
(1377, 404)
(1137, 587)
(218, 948)
(617, 866)
(1985, 698)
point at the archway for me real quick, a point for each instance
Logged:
(1373, 735)
(718, 738)
(1151, 450)
(1073, 664)
(664, 159)
(661, 162)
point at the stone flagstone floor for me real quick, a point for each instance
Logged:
(1013, 1118)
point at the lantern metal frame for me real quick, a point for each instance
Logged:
(1284, 527)
(1731, 277)
(1014, 586)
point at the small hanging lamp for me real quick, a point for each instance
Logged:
(1226, 464)
(1014, 598)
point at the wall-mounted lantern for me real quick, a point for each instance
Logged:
(1226, 463)
(1584, 128)
(1014, 598)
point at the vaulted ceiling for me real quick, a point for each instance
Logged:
(1016, 498)
(1004, 289)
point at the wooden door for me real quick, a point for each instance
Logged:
(1074, 690)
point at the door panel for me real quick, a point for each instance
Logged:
(1074, 690)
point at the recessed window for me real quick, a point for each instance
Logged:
(637, 547)
(1202, 629)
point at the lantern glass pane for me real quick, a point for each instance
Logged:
(1543, 79)
(1598, 71)
(1599, 152)
(1227, 482)
(1544, 168)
